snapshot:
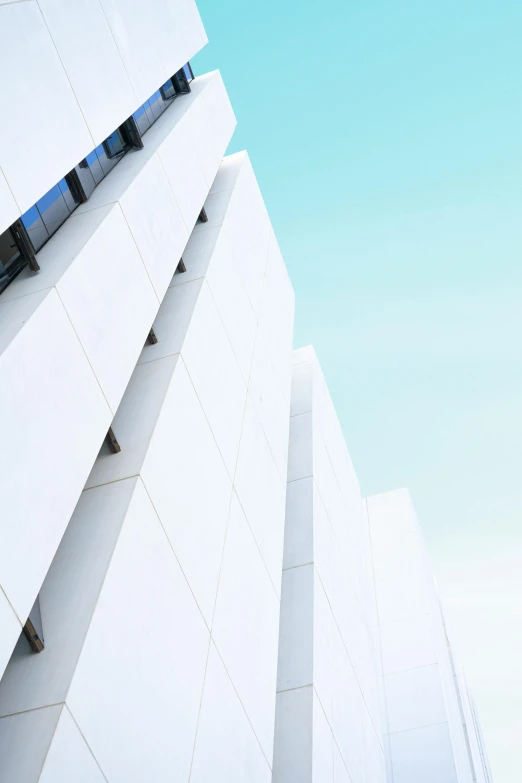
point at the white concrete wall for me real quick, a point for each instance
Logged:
(161, 606)
(428, 736)
(328, 717)
(76, 71)
(71, 335)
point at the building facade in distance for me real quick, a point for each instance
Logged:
(191, 588)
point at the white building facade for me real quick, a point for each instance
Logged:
(191, 589)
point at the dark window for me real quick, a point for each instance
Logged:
(167, 91)
(85, 174)
(143, 117)
(114, 145)
(157, 104)
(19, 243)
(181, 82)
(33, 629)
(11, 260)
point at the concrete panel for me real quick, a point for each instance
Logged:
(226, 750)
(407, 644)
(68, 598)
(220, 110)
(270, 404)
(261, 493)
(137, 701)
(10, 630)
(414, 699)
(45, 371)
(233, 304)
(93, 64)
(423, 754)
(62, 131)
(133, 25)
(299, 523)
(296, 629)
(189, 487)
(197, 254)
(329, 655)
(9, 211)
(111, 336)
(341, 774)
(323, 745)
(303, 382)
(93, 261)
(216, 376)
(246, 625)
(402, 595)
(155, 221)
(294, 738)
(276, 323)
(300, 454)
(391, 514)
(201, 138)
(173, 320)
(179, 35)
(69, 758)
(22, 761)
(184, 173)
(395, 555)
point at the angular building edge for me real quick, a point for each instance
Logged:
(180, 510)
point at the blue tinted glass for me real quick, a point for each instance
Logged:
(30, 217)
(114, 144)
(53, 209)
(157, 104)
(9, 257)
(138, 113)
(47, 202)
(141, 118)
(149, 113)
(67, 195)
(35, 228)
(167, 90)
(186, 69)
(106, 163)
(91, 158)
(92, 164)
(86, 176)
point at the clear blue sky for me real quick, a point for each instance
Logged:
(387, 136)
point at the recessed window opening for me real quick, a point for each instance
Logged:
(33, 628)
(27, 235)
(111, 441)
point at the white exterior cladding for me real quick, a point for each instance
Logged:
(327, 699)
(167, 597)
(431, 731)
(87, 65)
(368, 691)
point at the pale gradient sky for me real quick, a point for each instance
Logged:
(386, 137)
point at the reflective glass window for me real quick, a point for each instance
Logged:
(157, 104)
(188, 72)
(114, 145)
(141, 118)
(92, 163)
(53, 208)
(67, 195)
(167, 90)
(36, 229)
(86, 174)
(11, 260)
(110, 151)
